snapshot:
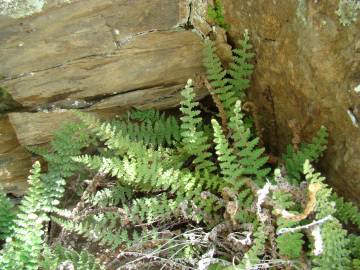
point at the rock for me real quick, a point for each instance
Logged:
(100, 56)
(153, 60)
(307, 69)
(15, 160)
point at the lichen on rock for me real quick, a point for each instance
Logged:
(348, 11)
(20, 8)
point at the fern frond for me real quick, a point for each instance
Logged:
(346, 212)
(250, 157)
(7, 216)
(335, 254)
(217, 78)
(60, 256)
(113, 196)
(251, 257)
(113, 139)
(232, 171)
(194, 140)
(110, 228)
(155, 129)
(59, 157)
(294, 160)
(240, 70)
(229, 167)
(23, 249)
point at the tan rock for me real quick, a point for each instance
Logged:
(15, 160)
(307, 68)
(148, 61)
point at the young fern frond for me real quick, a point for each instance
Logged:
(250, 157)
(240, 70)
(217, 78)
(294, 160)
(194, 140)
(232, 171)
(113, 139)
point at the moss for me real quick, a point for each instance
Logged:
(7, 103)
(216, 13)
(348, 11)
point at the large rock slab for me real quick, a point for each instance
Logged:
(159, 59)
(307, 69)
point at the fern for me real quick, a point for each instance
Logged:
(240, 70)
(179, 194)
(60, 256)
(251, 257)
(249, 155)
(23, 249)
(232, 171)
(218, 80)
(334, 256)
(346, 212)
(290, 245)
(59, 157)
(294, 160)
(6, 216)
(216, 13)
(153, 128)
(354, 247)
(116, 195)
(194, 139)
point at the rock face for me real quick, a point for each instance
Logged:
(307, 69)
(101, 56)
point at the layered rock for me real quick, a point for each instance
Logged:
(307, 70)
(99, 56)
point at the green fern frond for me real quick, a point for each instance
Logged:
(216, 13)
(251, 257)
(294, 160)
(240, 70)
(59, 157)
(354, 247)
(194, 140)
(119, 194)
(7, 216)
(217, 78)
(113, 139)
(23, 249)
(346, 212)
(155, 129)
(60, 256)
(250, 157)
(108, 229)
(232, 170)
(336, 254)
(290, 245)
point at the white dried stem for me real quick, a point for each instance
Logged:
(308, 226)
